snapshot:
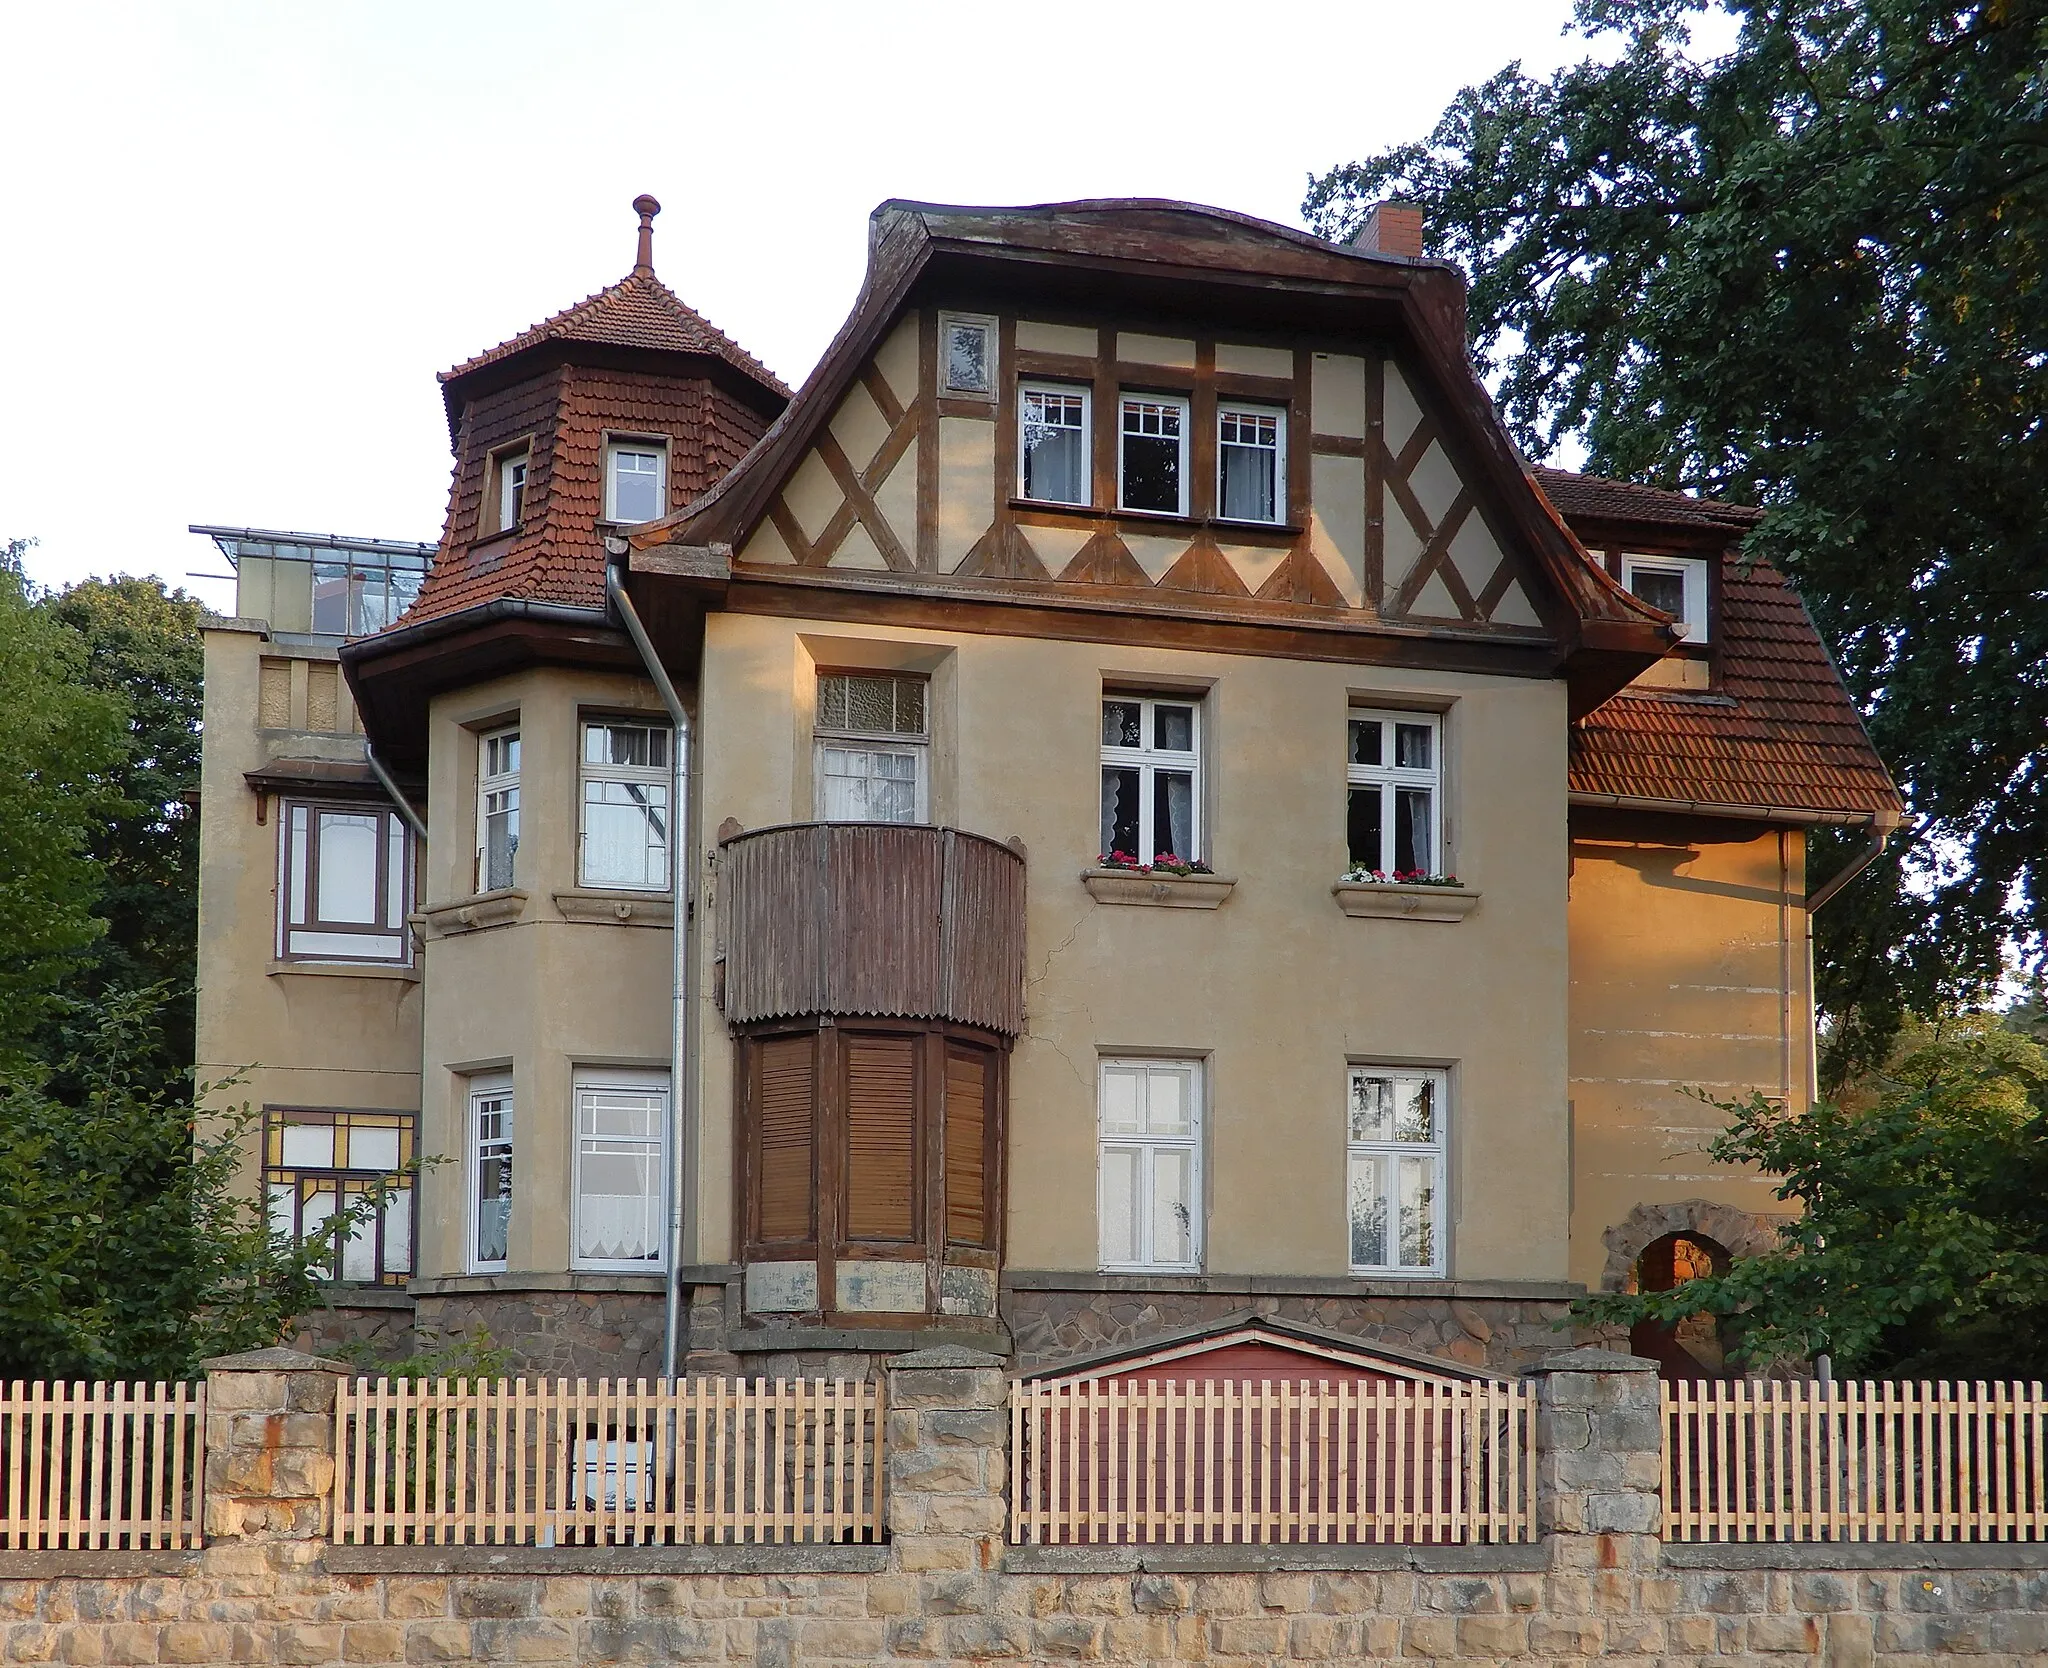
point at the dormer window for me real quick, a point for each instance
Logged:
(505, 493)
(1676, 584)
(636, 485)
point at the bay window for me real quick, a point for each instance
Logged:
(1394, 778)
(1151, 777)
(621, 1169)
(497, 810)
(490, 1173)
(1394, 1170)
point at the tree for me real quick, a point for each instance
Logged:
(1921, 1246)
(127, 1247)
(59, 743)
(142, 645)
(1808, 274)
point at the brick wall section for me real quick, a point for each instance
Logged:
(1599, 1588)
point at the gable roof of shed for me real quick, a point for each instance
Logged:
(1250, 1326)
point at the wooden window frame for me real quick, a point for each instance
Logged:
(614, 444)
(1277, 415)
(1148, 759)
(991, 334)
(1182, 403)
(347, 1178)
(487, 784)
(477, 1091)
(1436, 1150)
(393, 884)
(597, 1080)
(660, 776)
(828, 1244)
(1388, 778)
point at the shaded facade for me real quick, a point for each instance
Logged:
(1173, 818)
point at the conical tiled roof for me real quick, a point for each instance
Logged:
(639, 311)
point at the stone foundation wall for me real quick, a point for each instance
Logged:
(1598, 1588)
(1509, 1334)
(553, 1334)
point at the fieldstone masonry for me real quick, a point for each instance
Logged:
(1599, 1587)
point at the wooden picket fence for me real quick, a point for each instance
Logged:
(1286, 1461)
(607, 1462)
(101, 1465)
(1764, 1460)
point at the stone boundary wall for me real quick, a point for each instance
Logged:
(1599, 1586)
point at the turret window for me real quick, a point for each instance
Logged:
(497, 810)
(505, 494)
(625, 805)
(635, 481)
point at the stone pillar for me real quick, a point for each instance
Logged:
(1599, 1437)
(270, 1445)
(948, 1423)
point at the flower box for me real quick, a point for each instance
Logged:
(1405, 900)
(1157, 887)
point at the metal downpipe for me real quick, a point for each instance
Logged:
(682, 856)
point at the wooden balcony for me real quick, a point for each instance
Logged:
(872, 919)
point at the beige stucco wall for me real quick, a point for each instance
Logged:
(297, 1035)
(1688, 971)
(1277, 990)
(537, 995)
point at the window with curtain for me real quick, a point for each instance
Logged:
(624, 838)
(490, 1173)
(1394, 789)
(1052, 444)
(317, 1164)
(1150, 1192)
(1394, 1170)
(497, 810)
(635, 484)
(620, 1181)
(344, 883)
(1676, 584)
(1251, 475)
(873, 741)
(1151, 778)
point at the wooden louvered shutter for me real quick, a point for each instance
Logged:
(967, 1072)
(785, 1115)
(881, 1137)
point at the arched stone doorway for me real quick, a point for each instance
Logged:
(1691, 1348)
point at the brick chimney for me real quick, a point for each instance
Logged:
(1391, 228)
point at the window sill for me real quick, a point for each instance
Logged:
(474, 914)
(1161, 891)
(345, 970)
(617, 908)
(1394, 902)
(1222, 526)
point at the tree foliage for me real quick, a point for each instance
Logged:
(127, 1247)
(1807, 274)
(60, 742)
(1921, 1246)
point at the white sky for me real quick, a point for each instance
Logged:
(238, 240)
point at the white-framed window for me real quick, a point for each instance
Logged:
(344, 883)
(621, 1169)
(1052, 443)
(1394, 795)
(623, 838)
(1150, 1189)
(1152, 453)
(497, 810)
(505, 499)
(1151, 777)
(967, 355)
(1251, 463)
(490, 1173)
(873, 747)
(635, 480)
(318, 1162)
(1676, 584)
(1394, 1169)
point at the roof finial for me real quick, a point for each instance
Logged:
(647, 208)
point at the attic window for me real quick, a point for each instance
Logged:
(505, 496)
(1676, 584)
(636, 487)
(967, 351)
